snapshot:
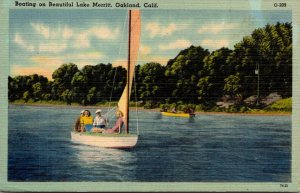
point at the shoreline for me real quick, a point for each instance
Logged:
(155, 109)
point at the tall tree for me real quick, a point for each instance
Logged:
(152, 85)
(233, 86)
(183, 73)
(62, 78)
(215, 70)
(270, 50)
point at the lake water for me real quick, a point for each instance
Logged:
(206, 148)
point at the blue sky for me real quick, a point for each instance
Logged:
(42, 40)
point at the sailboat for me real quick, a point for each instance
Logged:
(126, 139)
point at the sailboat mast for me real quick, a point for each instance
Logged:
(128, 74)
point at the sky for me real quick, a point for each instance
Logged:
(40, 41)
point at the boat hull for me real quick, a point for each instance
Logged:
(104, 140)
(177, 114)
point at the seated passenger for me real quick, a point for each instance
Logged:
(99, 122)
(118, 125)
(174, 110)
(86, 121)
(77, 126)
(191, 111)
(164, 109)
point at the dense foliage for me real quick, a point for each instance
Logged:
(194, 76)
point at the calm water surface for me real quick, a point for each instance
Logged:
(207, 148)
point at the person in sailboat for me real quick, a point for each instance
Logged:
(99, 120)
(118, 125)
(77, 126)
(99, 123)
(86, 121)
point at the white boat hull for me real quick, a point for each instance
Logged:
(105, 141)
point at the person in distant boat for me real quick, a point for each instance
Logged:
(77, 126)
(191, 111)
(174, 110)
(86, 121)
(164, 109)
(118, 125)
(99, 123)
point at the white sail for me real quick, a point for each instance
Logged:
(133, 48)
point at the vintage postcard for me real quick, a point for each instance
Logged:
(149, 95)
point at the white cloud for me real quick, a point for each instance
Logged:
(55, 39)
(155, 29)
(67, 32)
(178, 44)
(87, 56)
(82, 40)
(41, 29)
(103, 32)
(22, 43)
(58, 32)
(215, 43)
(145, 50)
(53, 47)
(45, 65)
(58, 38)
(216, 28)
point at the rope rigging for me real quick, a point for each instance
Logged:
(111, 110)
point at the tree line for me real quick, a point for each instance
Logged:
(194, 76)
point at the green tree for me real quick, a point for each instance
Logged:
(270, 48)
(79, 84)
(37, 91)
(215, 70)
(62, 78)
(152, 85)
(108, 82)
(26, 96)
(67, 96)
(183, 73)
(233, 86)
(34, 84)
(13, 87)
(91, 95)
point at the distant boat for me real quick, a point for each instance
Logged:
(126, 139)
(177, 114)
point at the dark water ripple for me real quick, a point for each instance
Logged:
(207, 148)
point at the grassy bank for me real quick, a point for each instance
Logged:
(59, 103)
(283, 106)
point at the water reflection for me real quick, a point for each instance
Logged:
(91, 155)
(157, 116)
(103, 164)
(191, 119)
